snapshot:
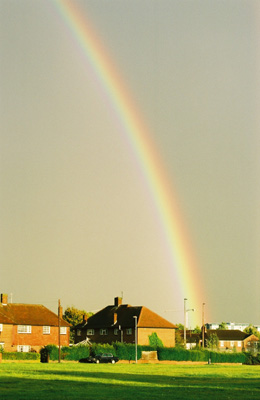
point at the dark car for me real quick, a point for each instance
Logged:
(106, 358)
(100, 358)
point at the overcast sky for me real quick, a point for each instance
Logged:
(77, 221)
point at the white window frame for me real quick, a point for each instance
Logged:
(63, 330)
(2, 345)
(129, 331)
(46, 330)
(90, 332)
(103, 332)
(222, 343)
(116, 331)
(1, 327)
(24, 329)
(239, 343)
(232, 343)
(23, 348)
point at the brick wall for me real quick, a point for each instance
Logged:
(109, 338)
(36, 339)
(167, 336)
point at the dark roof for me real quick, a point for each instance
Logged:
(190, 336)
(28, 314)
(125, 313)
(228, 334)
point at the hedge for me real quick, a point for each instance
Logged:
(20, 356)
(127, 352)
(180, 354)
(73, 353)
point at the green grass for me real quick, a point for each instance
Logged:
(128, 381)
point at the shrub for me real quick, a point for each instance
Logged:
(155, 341)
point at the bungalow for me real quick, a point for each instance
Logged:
(121, 322)
(29, 327)
(233, 339)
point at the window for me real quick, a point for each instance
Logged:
(46, 330)
(63, 330)
(103, 332)
(2, 345)
(90, 332)
(23, 349)
(78, 332)
(116, 331)
(232, 343)
(239, 343)
(24, 329)
(221, 343)
(1, 327)
(129, 331)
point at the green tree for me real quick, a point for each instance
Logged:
(179, 335)
(213, 341)
(222, 327)
(154, 340)
(74, 317)
(197, 329)
(252, 331)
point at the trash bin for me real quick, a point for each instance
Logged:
(45, 357)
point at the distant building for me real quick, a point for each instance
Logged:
(232, 326)
(29, 327)
(116, 323)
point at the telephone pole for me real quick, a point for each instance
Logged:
(59, 327)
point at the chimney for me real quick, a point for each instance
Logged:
(118, 301)
(115, 318)
(4, 299)
(85, 318)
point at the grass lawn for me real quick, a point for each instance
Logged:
(128, 381)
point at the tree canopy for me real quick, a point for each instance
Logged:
(74, 316)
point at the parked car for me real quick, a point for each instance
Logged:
(100, 358)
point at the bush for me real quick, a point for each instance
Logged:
(155, 341)
(250, 359)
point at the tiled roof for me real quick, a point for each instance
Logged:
(149, 319)
(125, 318)
(28, 314)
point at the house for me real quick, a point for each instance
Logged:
(192, 339)
(29, 327)
(233, 339)
(121, 322)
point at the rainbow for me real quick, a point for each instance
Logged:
(182, 258)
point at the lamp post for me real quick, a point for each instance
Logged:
(187, 318)
(135, 318)
(203, 326)
(184, 331)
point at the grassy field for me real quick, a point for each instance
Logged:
(128, 381)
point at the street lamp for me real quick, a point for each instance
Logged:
(135, 318)
(187, 316)
(184, 331)
(203, 326)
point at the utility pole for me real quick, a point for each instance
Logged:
(184, 332)
(135, 318)
(203, 326)
(59, 327)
